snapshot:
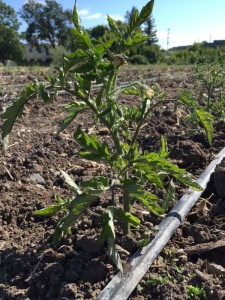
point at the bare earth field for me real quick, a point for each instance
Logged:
(30, 178)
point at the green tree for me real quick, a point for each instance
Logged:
(150, 30)
(98, 32)
(47, 23)
(8, 16)
(10, 46)
(154, 54)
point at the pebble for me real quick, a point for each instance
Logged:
(37, 178)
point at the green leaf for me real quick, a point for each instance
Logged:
(92, 156)
(76, 20)
(136, 39)
(108, 233)
(81, 39)
(113, 26)
(14, 111)
(149, 201)
(145, 12)
(92, 144)
(99, 96)
(187, 180)
(58, 234)
(133, 20)
(169, 196)
(105, 111)
(164, 149)
(114, 255)
(77, 206)
(99, 50)
(130, 91)
(48, 211)
(71, 183)
(71, 59)
(83, 67)
(145, 171)
(108, 230)
(96, 185)
(130, 185)
(125, 216)
(59, 199)
(68, 120)
(43, 94)
(206, 120)
(163, 165)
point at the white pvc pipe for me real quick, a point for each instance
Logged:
(121, 286)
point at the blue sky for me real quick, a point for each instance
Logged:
(189, 21)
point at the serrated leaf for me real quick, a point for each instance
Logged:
(130, 91)
(82, 39)
(169, 197)
(145, 12)
(187, 180)
(149, 200)
(108, 230)
(48, 211)
(92, 156)
(113, 26)
(91, 143)
(130, 185)
(76, 20)
(14, 111)
(74, 58)
(125, 216)
(99, 50)
(163, 165)
(114, 255)
(43, 94)
(136, 40)
(133, 20)
(68, 120)
(206, 120)
(71, 183)
(77, 206)
(96, 185)
(74, 109)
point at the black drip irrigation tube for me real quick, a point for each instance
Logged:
(121, 286)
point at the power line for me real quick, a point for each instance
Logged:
(168, 38)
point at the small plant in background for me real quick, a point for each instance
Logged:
(197, 116)
(206, 101)
(138, 175)
(195, 292)
(158, 279)
(210, 82)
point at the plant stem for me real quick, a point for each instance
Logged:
(91, 106)
(126, 208)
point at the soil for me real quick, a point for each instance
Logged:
(30, 268)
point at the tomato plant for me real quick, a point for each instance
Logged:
(136, 174)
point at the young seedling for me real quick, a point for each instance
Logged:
(136, 174)
(206, 101)
(195, 292)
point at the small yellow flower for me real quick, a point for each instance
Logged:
(147, 91)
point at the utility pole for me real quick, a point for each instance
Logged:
(168, 38)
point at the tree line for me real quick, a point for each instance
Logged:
(49, 24)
